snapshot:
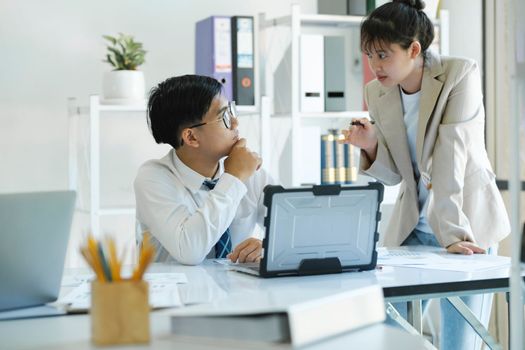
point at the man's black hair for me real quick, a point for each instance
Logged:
(178, 103)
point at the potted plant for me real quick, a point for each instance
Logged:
(125, 84)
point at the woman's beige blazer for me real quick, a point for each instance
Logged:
(464, 202)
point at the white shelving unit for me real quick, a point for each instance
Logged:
(298, 23)
(94, 111)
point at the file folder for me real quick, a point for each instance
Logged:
(293, 324)
(333, 7)
(312, 73)
(213, 51)
(339, 148)
(363, 7)
(328, 159)
(243, 60)
(336, 93)
(351, 162)
(357, 7)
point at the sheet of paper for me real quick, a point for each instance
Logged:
(163, 292)
(76, 280)
(79, 298)
(164, 295)
(166, 277)
(397, 257)
(440, 260)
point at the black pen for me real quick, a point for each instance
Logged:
(357, 122)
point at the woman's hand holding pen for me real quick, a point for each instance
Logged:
(362, 134)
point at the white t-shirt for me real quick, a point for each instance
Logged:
(410, 104)
(185, 218)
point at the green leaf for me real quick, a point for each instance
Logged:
(110, 60)
(125, 52)
(111, 39)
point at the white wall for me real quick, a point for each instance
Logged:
(52, 50)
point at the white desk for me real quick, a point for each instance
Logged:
(213, 283)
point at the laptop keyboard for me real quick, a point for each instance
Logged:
(250, 265)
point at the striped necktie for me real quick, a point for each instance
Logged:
(224, 246)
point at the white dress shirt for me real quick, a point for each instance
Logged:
(185, 218)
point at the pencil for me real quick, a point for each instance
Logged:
(92, 248)
(147, 251)
(104, 262)
(114, 263)
(85, 253)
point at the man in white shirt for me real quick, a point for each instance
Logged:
(194, 202)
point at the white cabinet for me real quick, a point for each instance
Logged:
(280, 37)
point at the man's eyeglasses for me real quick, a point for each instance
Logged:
(227, 114)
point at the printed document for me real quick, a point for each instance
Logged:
(440, 260)
(163, 291)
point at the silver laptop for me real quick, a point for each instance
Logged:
(34, 236)
(318, 230)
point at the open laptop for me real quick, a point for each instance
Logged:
(34, 235)
(318, 230)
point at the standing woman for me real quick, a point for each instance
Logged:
(429, 136)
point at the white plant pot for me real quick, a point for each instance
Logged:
(123, 87)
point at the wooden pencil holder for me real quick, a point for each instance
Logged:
(119, 312)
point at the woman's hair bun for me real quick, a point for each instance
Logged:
(416, 4)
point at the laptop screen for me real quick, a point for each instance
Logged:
(35, 231)
(303, 225)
